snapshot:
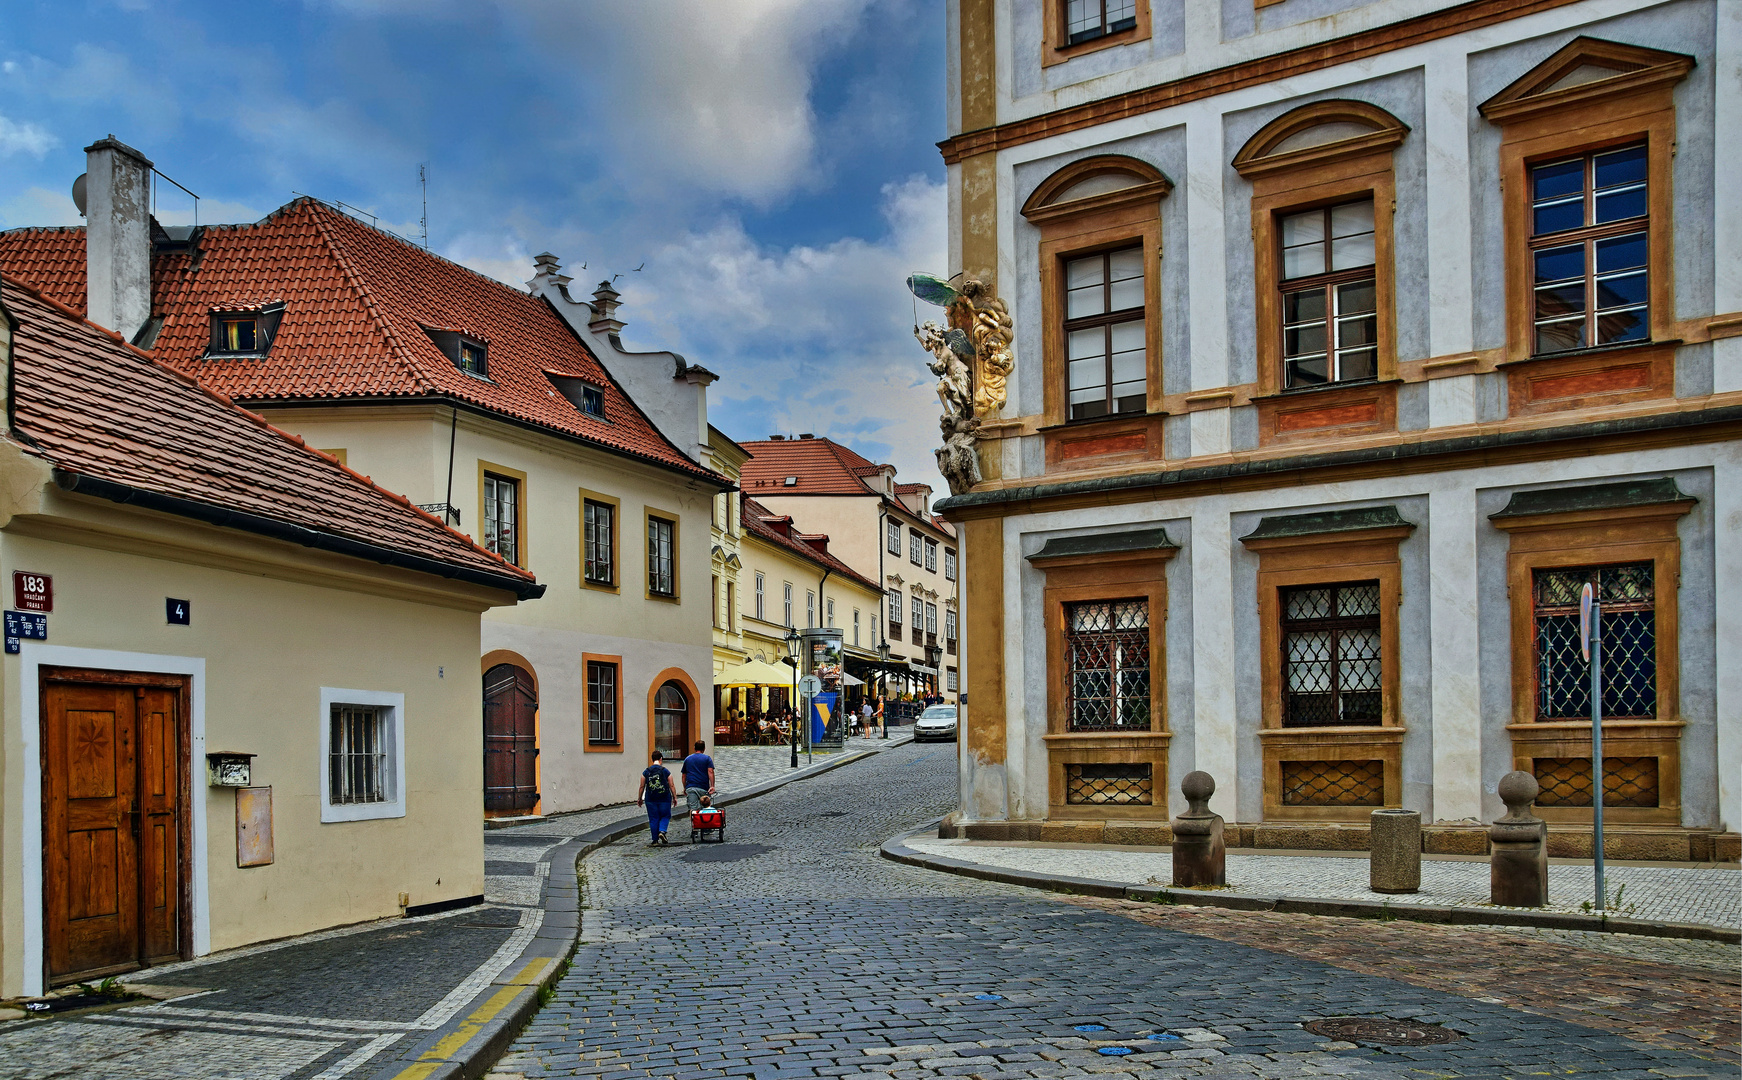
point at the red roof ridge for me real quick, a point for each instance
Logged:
(401, 355)
(258, 420)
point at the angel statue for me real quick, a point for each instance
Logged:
(972, 360)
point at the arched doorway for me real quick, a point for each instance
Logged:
(671, 720)
(510, 740)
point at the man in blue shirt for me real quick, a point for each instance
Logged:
(698, 776)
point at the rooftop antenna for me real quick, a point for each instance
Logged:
(423, 183)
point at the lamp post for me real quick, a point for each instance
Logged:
(934, 658)
(791, 658)
(883, 651)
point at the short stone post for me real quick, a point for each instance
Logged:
(1199, 857)
(1394, 851)
(1518, 865)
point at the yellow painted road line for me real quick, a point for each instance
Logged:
(450, 1043)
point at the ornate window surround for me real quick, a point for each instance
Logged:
(1105, 566)
(1633, 521)
(1291, 172)
(1126, 212)
(1560, 108)
(1326, 548)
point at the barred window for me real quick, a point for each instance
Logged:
(356, 755)
(1107, 665)
(1629, 642)
(1331, 661)
(661, 557)
(601, 702)
(502, 516)
(601, 524)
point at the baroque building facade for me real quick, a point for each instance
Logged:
(1352, 340)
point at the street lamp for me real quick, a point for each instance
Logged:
(883, 651)
(791, 658)
(934, 658)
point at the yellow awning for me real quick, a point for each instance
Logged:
(755, 673)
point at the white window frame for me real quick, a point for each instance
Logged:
(855, 627)
(931, 555)
(760, 595)
(949, 564)
(950, 680)
(915, 548)
(894, 541)
(787, 602)
(393, 738)
(894, 606)
(810, 608)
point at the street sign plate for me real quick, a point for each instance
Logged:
(27, 624)
(32, 592)
(1585, 600)
(810, 684)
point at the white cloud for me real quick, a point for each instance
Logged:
(16, 138)
(39, 206)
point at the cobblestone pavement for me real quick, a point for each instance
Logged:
(796, 951)
(1709, 895)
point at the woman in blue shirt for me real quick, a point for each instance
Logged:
(655, 792)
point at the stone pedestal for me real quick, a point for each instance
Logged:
(1394, 851)
(1199, 857)
(1518, 864)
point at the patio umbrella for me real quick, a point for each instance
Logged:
(754, 673)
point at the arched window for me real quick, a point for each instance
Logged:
(1100, 260)
(671, 720)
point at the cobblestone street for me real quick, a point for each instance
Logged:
(794, 950)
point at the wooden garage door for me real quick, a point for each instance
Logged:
(112, 825)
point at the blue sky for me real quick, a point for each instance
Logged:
(772, 162)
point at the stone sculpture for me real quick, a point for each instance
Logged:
(972, 359)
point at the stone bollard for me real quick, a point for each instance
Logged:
(1394, 851)
(1199, 857)
(1518, 865)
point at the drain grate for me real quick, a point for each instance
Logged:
(1381, 1030)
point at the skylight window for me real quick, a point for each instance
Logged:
(468, 353)
(587, 398)
(792, 481)
(471, 357)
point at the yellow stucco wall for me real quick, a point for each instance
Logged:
(272, 624)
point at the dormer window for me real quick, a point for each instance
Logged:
(471, 359)
(587, 398)
(245, 333)
(468, 352)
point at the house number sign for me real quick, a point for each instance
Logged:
(32, 592)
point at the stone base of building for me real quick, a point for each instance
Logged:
(1643, 843)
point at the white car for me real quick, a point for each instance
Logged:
(937, 722)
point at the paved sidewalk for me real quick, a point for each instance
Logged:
(424, 998)
(1709, 896)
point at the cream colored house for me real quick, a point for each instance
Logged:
(192, 581)
(886, 532)
(505, 412)
(726, 557)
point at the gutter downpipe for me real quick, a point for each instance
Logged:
(448, 501)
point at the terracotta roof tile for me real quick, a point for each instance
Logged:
(95, 406)
(356, 304)
(823, 467)
(753, 513)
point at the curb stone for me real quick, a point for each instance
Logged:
(896, 850)
(467, 1046)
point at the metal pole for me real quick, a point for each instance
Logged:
(795, 718)
(1597, 750)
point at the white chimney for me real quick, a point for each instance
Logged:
(117, 236)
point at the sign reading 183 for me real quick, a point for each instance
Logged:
(32, 592)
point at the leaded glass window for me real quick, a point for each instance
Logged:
(1331, 660)
(1107, 665)
(1629, 642)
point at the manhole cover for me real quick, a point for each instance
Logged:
(1114, 1051)
(1373, 1029)
(724, 852)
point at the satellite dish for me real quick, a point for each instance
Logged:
(79, 193)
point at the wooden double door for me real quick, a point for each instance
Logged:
(510, 741)
(114, 798)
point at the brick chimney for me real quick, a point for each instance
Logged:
(117, 236)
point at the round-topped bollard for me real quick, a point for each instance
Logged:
(1518, 847)
(1199, 857)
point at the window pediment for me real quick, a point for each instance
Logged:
(1098, 183)
(1316, 133)
(1586, 70)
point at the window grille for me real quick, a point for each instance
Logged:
(1105, 336)
(601, 702)
(1127, 783)
(1330, 322)
(1086, 20)
(601, 525)
(949, 565)
(931, 555)
(1628, 781)
(1589, 250)
(1629, 642)
(1107, 658)
(661, 557)
(894, 538)
(1333, 783)
(502, 516)
(1331, 663)
(357, 755)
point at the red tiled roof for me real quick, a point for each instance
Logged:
(753, 514)
(911, 489)
(823, 467)
(99, 409)
(356, 304)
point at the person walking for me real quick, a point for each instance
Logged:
(698, 776)
(655, 792)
